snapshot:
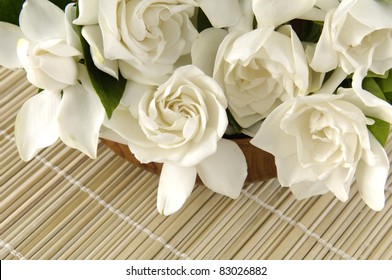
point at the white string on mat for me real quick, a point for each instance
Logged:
(11, 250)
(291, 221)
(108, 206)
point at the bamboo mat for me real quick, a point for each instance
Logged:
(63, 205)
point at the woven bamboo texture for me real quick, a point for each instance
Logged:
(63, 205)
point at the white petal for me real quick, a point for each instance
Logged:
(221, 13)
(80, 117)
(245, 46)
(88, 12)
(133, 93)
(107, 18)
(327, 5)
(272, 138)
(61, 69)
(72, 37)
(42, 20)
(9, 37)
(381, 9)
(371, 178)
(175, 186)
(123, 123)
(325, 57)
(306, 189)
(225, 171)
(300, 62)
(93, 36)
(339, 182)
(35, 125)
(205, 47)
(109, 134)
(290, 171)
(274, 13)
(314, 14)
(371, 105)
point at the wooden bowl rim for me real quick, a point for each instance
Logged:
(261, 164)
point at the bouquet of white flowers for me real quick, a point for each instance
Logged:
(309, 81)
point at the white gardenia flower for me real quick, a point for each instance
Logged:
(356, 34)
(44, 45)
(259, 70)
(147, 38)
(181, 124)
(74, 114)
(321, 144)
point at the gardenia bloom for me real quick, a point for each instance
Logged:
(181, 124)
(351, 38)
(145, 38)
(45, 45)
(321, 143)
(259, 70)
(74, 115)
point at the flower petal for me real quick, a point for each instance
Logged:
(274, 13)
(80, 117)
(271, 137)
(88, 12)
(372, 174)
(107, 18)
(9, 37)
(72, 37)
(124, 124)
(35, 125)
(306, 189)
(205, 47)
(221, 13)
(290, 172)
(225, 171)
(245, 46)
(325, 57)
(42, 20)
(133, 93)
(383, 10)
(371, 105)
(175, 186)
(93, 36)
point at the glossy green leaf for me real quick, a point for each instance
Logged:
(386, 83)
(202, 21)
(109, 89)
(388, 96)
(380, 129)
(307, 31)
(370, 74)
(371, 86)
(10, 10)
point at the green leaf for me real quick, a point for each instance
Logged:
(307, 31)
(202, 21)
(386, 83)
(388, 96)
(371, 86)
(371, 74)
(109, 89)
(10, 9)
(380, 129)
(61, 3)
